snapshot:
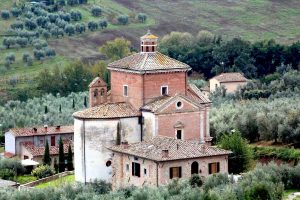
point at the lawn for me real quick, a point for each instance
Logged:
(1, 149)
(69, 179)
(288, 192)
(25, 179)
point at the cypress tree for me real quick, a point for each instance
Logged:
(61, 157)
(60, 108)
(47, 158)
(118, 140)
(46, 109)
(73, 104)
(70, 159)
(55, 165)
(85, 102)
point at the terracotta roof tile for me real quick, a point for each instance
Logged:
(107, 111)
(39, 151)
(97, 82)
(156, 104)
(8, 155)
(177, 149)
(148, 62)
(20, 132)
(230, 77)
(195, 93)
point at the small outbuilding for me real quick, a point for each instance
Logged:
(230, 81)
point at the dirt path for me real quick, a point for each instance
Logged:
(293, 196)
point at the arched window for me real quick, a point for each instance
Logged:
(102, 92)
(194, 168)
(95, 93)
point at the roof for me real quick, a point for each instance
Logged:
(195, 93)
(177, 149)
(39, 151)
(28, 162)
(97, 82)
(149, 35)
(8, 155)
(159, 103)
(21, 132)
(148, 62)
(108, 111)
(230, 77)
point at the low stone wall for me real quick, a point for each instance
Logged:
(44, 180)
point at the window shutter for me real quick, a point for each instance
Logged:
(218, 167)
(209, 168)
(171, 173)
(138, 170)
(132, 169)
(179, 172)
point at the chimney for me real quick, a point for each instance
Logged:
(46, 128)
(165, 153)
(58, 127)
(203, 148)
(35, 130)
(124, 144)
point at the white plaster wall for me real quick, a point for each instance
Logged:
(10, 143)
(91, 139)
(212, 84)
(149, 129)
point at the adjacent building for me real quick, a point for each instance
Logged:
(230, 81)
(150, 106)
(29, 143)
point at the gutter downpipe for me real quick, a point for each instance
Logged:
(157, 174)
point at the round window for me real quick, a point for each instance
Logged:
(179, 104)
(108, 163)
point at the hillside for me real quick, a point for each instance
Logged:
(252, 20)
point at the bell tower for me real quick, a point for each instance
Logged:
(149, 43)
(97, 92)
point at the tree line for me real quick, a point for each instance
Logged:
(211, 54)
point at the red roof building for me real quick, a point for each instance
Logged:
(152, 107)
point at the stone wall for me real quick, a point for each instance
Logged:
(158, 173)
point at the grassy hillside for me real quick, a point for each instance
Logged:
(249, 19)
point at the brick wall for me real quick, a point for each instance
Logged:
(135, 88)
(176, 82)
(190, 120)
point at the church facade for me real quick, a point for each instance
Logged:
(150, 104)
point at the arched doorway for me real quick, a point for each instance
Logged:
(194, 168)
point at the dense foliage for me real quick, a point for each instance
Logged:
(264, 182)
(210, 54)
(276, 119)
(240, 158)
(9, 168)
(32, 112)
(42, 171)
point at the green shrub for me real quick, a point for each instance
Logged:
(7, 174)
(196, 180)
(13, 165)
(42, 171)
(5, 14)
(96, 11)
(215, 180)
(123, 19)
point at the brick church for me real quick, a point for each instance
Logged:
(150, 127)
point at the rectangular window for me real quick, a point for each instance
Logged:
(175, 172)
(145, 172)
(26, 157)
(125, 90)
(213, 168)
(164, 90)
(179, 134)
(136, 169)
(127, 167)
(52, 141)
(41, 142)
